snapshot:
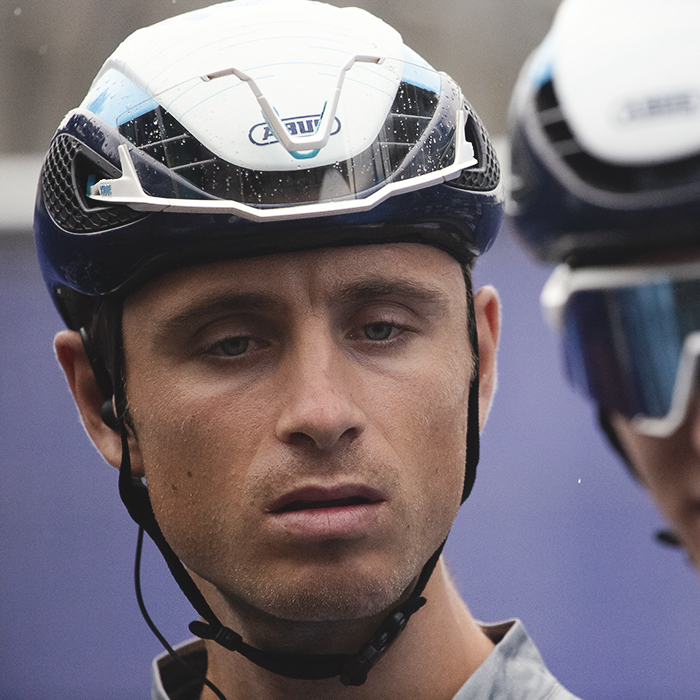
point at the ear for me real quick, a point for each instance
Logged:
(487, 309)
(89, 399)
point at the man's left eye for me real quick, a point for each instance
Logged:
(234, 346)
(378, 331)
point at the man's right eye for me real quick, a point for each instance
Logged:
(233, 346)
(379, 330)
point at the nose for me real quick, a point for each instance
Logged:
(318, 406)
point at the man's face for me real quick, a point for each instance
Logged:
(670, 470)
(301, 421)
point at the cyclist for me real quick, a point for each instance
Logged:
(605, 138)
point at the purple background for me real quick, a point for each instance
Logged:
(555, 531)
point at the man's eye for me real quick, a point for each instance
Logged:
(378, 331)
(234, 346)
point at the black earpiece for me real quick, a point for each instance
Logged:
(109, 418)
(103, 379)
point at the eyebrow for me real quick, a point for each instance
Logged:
(380, 288)
(211, 305)
(363, 291)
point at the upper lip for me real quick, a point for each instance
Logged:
(325, 497)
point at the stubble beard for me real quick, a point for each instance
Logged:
(331, 598)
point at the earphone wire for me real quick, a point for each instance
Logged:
(156, 631)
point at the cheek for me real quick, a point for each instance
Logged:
(432, 436)
(185, 424)
(446, 439)
(659, 463)
(668, 469)
(196, 449)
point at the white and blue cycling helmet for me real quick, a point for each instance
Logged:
(223, 132)
(605, 181)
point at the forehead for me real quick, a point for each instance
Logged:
(326, 274)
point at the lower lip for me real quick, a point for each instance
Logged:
(343, 522)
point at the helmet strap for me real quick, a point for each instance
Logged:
(473, 441)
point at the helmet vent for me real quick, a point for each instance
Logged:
(486, 174)
(603, 175)
(64, 179)
(553, 122)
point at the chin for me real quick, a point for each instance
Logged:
(326, 598)
(327, 603)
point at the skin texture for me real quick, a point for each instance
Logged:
(669, 468)
(255, 385)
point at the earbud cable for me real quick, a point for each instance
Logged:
(156, 631)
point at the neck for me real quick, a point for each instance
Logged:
(431, 659)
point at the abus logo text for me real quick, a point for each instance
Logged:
(262, 135)
(660, 106)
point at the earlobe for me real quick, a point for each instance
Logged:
(488, 321)
(89, 398)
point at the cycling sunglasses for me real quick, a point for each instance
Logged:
(631, 338)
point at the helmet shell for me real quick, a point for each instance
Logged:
(605, 132)
(406, 158)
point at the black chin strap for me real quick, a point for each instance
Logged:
(473, 436)
(352, 668)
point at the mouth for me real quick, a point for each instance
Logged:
(340, 512)
(331, 503)
(319, 498)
